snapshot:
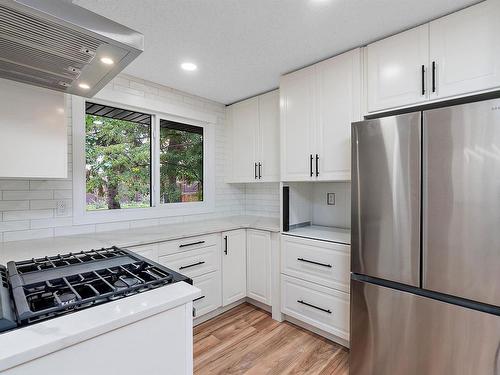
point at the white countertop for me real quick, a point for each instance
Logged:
(21, 250)
(318, 232)
(25, 344)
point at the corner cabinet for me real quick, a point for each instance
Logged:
(234, 266)
(453, 56)
(253, 141)
(318, 105)
(259, 265)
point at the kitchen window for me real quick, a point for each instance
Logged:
(117, 158)
(134, 163)
(181, 162)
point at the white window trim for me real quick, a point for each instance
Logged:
(82, 216)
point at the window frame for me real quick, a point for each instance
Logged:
(157, 209)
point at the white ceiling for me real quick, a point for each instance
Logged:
(241, 47)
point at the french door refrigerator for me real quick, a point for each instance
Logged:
(425, 281)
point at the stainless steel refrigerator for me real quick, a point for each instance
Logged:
(425, 281)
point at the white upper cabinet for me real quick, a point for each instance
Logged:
(453, 56)
(33, 132)
(244, 121)
(397, 70)
(464, 50)
(338, 105)
(297, 129)
(318, 105)
(269, 136)
(254, 139)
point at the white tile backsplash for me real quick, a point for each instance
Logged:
(28, 207)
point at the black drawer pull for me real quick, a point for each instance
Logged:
(314, 307)
(191, 265)
(313, 262)
(192, 243)
(197, 299)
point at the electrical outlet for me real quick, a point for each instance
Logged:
(61, 208)
(330, 199)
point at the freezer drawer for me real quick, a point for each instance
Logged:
(386, 198)
(394, 333)
(461, 201)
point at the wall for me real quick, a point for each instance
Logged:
(308, 203)
(28, 207)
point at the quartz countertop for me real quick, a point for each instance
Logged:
(25, 344)
(318, 232)
(20, 250)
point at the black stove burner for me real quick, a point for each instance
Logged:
(125, 282)
(44, 288)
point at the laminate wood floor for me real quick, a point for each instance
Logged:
(245, 340)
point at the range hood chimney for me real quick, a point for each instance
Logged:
(61, 46)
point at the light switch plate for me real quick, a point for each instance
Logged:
(330, 199)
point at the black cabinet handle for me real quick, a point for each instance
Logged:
(433, 76)
(260, 170)
(225, 249)
(197, 299)
(313, 262)
(317, 165)
(314, 307)
(423, 79)
(311, 164)
(255, 171)
(191, 265)
(192, 243)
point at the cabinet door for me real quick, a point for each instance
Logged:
(211, 295)
(234, 268)
(244, 123)
(259, 266)
(296, 104)
(269, 141)
(394, 69)
(338, 105)
(465, 50)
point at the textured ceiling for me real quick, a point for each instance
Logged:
(241, 47)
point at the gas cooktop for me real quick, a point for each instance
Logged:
(43, 288)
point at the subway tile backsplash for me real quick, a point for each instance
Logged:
(28, 207)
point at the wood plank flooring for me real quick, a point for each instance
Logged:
(245, 340)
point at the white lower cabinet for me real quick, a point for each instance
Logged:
(193, 263)
(234, 266)
(147, 251)
(211, 293)
(259, 265)
(315, 279)
(321, 262)
(319, 306)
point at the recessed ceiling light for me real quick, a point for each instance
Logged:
(188, 66)
(84, 86)
(107, 61)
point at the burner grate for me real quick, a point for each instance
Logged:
(47, 287)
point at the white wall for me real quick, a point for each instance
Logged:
(28, 207)
(308, 203)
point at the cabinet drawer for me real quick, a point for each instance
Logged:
(194, 262)
(211, 293)
(321, 262)
(147, 251)
(321, 307)
(189, 243)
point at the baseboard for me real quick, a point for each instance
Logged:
(318, 331)
(258, 304)
(212, 314)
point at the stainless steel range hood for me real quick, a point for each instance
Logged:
(61, 46)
